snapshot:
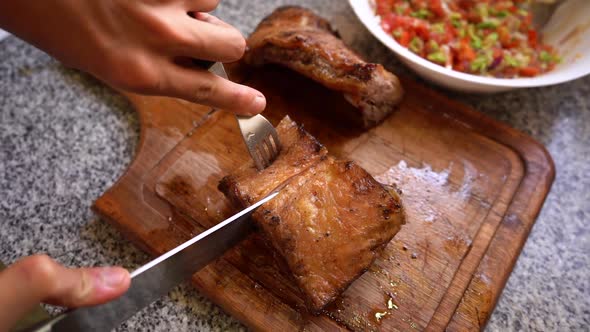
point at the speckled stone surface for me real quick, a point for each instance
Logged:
(65, 138)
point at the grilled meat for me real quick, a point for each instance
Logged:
(299, 151)
(297, 38)
(328, 222)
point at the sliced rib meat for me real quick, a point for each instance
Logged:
(329, 221)
(297, 38)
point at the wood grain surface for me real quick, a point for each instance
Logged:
(472, 188)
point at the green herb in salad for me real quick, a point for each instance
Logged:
(438, 57)
(421, 13)
(489, 24)
(416, 45)
(480, 64)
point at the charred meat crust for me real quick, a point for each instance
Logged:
(297, 38)
(330, 220)
(325, 258)
(291, 13)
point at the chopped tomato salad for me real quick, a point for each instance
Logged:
(484, 37)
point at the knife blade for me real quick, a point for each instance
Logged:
(156, 278)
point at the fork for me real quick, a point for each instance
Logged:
(260, 136)
(261, 139)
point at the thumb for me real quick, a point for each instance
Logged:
(38, 278)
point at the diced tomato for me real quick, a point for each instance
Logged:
(529, 71)
(532, 36)
(419, 3)
(437, 8)
(410, 27)
(473, 17)
(504, 35)
(466, 52)
(384, 7)
(497, 53)
(506, 39)
(462, 66)
(515, 43)
(466, 4)
(405, 38)
(387, 22)
(453, 6)
(422, 29)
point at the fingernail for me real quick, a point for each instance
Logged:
(112, 277)
(259, 103)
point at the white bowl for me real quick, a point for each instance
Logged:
(568, 31)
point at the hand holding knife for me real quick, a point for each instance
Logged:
(156, 278)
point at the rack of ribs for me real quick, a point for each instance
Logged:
(330, 219)
(297, 38)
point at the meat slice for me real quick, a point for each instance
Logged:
(329, 221)
(299, 151)
(297, 38)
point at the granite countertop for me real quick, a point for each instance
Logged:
(65, 138)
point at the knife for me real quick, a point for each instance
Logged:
(156, 278)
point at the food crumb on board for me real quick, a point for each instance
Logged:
(391, 305)
(380, 315)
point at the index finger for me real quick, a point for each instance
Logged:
(206, 88)
(38, 278)
(201, 5)
(204, 17)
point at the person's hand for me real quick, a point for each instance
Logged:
(35, 279)
(141, 46)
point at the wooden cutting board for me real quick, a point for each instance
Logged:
(472, 188)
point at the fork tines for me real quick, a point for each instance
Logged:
(261, 139)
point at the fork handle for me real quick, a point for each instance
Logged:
(203, 64)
